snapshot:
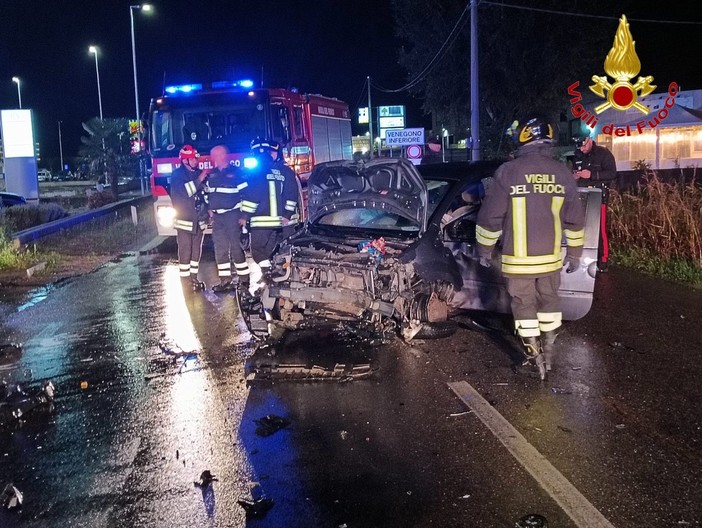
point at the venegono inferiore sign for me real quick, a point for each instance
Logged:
(406, 136)
(17, 134)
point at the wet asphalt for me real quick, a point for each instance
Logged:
(136, 419)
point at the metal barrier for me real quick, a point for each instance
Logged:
(34, 233)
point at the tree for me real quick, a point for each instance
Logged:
(106, 150)
(527, 60)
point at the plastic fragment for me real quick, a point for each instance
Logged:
(256, 509)
(11, 497)
(270, 424)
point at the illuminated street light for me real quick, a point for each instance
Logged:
(94, 51)
(147, 8)
(19, 93)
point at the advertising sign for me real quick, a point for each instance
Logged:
(17, 134)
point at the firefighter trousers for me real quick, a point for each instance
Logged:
(226, 237)
(263, 242)
(535, 304)
(189, 251)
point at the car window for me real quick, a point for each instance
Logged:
(436, 191)
(368, 219)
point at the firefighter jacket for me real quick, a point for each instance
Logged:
(532, 204)
(187, 198)
(602, 166)
(270, 196)
(223, 190)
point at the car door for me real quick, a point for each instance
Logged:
(484, 288)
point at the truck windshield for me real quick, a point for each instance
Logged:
(204, 127)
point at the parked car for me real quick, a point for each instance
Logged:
(9, 199)
(390, 247)
(44, 175)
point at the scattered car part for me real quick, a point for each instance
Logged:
(532, 521)
(296, 372)
(270, 424)
(256, 509)
(11, 497)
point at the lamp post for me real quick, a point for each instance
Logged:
(94, 51)
(146, 8)
(19, 93)
(60, 146)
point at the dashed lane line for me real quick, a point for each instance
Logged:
(573, 503)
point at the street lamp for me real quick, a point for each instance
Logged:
(94, 51)
(146, 8)
(19, 93)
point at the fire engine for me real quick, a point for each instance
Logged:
(311, 128)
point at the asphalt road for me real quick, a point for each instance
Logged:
(613, 438)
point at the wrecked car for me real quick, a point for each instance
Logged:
(388, 247)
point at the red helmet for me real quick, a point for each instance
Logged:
(188, 152)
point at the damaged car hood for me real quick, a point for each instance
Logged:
(391, 186)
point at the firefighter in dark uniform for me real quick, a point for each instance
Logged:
(224, 186)
(270, 201)
(594, 166)
(187, 183)
(532, 203)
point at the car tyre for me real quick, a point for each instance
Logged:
(437, 330)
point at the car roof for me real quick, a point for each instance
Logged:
(459, 170)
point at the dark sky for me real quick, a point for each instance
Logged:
(326, 46)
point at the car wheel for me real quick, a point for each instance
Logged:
(438, 330)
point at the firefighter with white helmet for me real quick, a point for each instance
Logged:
(187, 183)
(532, 203)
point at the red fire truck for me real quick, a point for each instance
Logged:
(311, 128)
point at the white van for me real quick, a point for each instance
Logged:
(44, 175)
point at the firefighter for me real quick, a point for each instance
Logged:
(594, 166)
(270, 201)
(223, 194)
(532, 202)
(187, 183)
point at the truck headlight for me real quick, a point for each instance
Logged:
(165, 215)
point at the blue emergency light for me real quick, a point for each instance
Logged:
(250, 163)
(183, 88)
(243, 83)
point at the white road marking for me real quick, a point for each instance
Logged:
(573, 503)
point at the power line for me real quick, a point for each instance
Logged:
(584, 15)
(437, 57)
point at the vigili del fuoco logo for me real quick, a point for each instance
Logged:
(622, 64)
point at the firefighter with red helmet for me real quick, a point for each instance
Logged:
(187, 183)
(531, 204)
(270, 201)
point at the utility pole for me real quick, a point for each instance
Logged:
(370, 118)
(474, 91)
(60, 146)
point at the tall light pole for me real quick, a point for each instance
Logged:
(474, 91)
(146, 8)
(19, 92)
(94, 51)
(60, 146)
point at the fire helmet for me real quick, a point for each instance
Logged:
(188, 152)
(536, 129)
(264, 146)
(580, 140)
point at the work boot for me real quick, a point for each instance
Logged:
(548, 345)
(225, 285)
(534, 354)
(196, 284)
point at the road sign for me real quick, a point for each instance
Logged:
(414, 154)
(405, 136)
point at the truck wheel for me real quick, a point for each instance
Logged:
(437, 330)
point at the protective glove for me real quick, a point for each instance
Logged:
(572, 264)
(485, 262)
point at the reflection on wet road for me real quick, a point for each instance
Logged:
(398, 449)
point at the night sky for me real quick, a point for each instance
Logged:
(326, 47)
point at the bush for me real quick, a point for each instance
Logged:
(22, 217)
(98, 199)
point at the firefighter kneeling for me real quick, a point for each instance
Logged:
(270, 200)
(531, 217)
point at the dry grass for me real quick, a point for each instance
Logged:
(660, 221)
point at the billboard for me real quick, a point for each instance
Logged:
(17, 133)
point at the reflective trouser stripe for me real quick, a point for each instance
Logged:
(224, 270)
(183, 224)
(194, 267)
(241, 269)
(527, 327)
(549, 321)
(184, 270)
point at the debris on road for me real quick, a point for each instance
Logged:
(270, 424)
(532, 521)
(256, 509)
(206, 478)
(293, 372)
(83, 385)
(16, 402)
(618, 344)
(453, 415)
(344, 435)
(565, 429)
(559, 390)
(10, 351)
(11, 497)
(175, 351)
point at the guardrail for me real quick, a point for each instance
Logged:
(34, 233)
